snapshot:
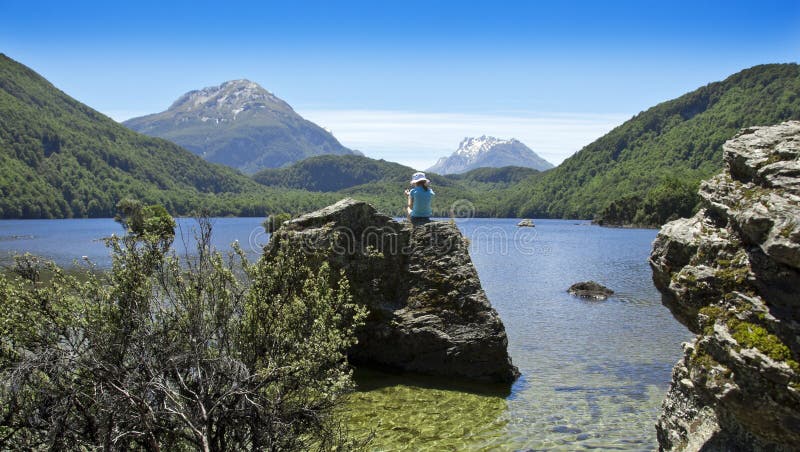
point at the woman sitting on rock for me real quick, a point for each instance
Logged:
(419, 199)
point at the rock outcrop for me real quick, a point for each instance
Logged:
(590, 289)
(427, 311)
(731, 274)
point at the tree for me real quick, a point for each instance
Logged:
(208, 352)
(152, 223)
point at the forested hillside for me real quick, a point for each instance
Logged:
(62, 159)
(503, 175)
(328, 173)
(648, 169)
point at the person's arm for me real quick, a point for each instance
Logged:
(410, 202)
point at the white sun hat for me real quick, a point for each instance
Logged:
(419, 177)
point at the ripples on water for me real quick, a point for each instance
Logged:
(593, 373)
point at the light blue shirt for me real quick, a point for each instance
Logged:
(422, 202)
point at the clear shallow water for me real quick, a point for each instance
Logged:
(593, 373)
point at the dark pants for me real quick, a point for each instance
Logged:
(419, 221)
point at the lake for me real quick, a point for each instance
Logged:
(593, 373)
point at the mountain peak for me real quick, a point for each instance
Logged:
(240, 124)
(229, 98)
(242, 82)
(489, 151)
(473, 146)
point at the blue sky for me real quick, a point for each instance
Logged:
(406, 80)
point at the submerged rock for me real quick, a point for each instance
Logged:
(590, 289)
(731, 274)
(428, 311)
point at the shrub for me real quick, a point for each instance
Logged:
(208, 353)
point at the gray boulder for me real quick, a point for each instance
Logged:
(427, 310)
(590, 289)
(731, 274)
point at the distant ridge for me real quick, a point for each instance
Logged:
(241, 125)
(329, 173)
(486, 151)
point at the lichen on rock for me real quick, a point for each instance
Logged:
(731, 274)
(427, 310)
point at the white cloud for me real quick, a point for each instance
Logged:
(419, 139)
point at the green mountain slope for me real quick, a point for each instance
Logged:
(659, 153)
(60, 158)
(328, 173)
(503, 175)
(241, 125)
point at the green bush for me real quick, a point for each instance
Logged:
(210, 353)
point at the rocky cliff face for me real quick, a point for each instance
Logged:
(731, 274)
(428, 312)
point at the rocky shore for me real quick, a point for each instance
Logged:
(427, 310)
(731, 274)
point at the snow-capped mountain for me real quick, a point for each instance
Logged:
(485, 151)
(239, 124)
